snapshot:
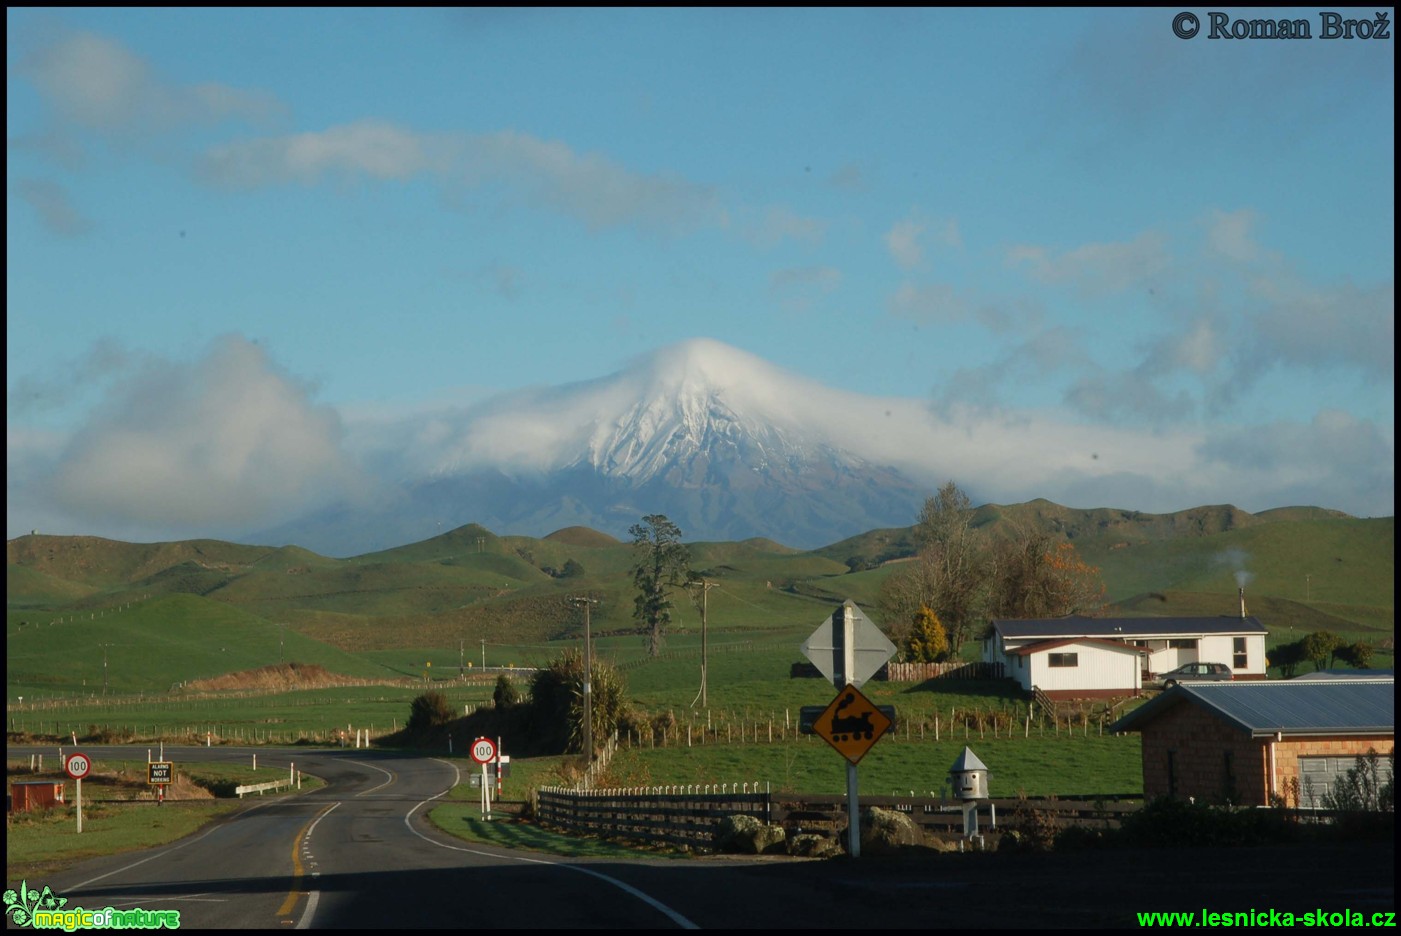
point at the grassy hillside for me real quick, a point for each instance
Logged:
(148, 646)
(167, 612)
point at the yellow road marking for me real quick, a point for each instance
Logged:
(297, 870)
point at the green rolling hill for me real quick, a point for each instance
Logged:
(167, 612)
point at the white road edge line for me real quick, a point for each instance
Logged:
(651, 901)
(386, 783)
(312, 897)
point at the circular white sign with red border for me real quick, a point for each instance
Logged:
(77, 766)
(483, 750)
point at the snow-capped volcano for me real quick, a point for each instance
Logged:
(722, 442)
(698, 398)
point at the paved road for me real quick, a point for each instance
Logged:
(355, 854)
(359, 854)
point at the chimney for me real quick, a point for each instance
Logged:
(1242, 604)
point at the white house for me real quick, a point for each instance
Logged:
(1077, 668)
(1080, 657)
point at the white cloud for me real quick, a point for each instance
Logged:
(902, 241)
(776, 224)
(1228, 234)
(55, 209)
(1341, 326)
(372, 148)
(799, 289)
(1097, 269)
(546, 173)
(1333, 459)
(226, 443)
(935, 302)
(98, 84)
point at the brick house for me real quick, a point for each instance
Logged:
(1255, 743)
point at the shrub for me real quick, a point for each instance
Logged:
(429, 710)
(557, 702)
(506, 694)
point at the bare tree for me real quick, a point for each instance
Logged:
(1035, 576)
(957, 551)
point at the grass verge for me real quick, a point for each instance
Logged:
(464, 821)
(119, 814)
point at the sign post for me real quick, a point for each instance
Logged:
(160, 774)
(483, 752)
(78, 766)
(848, 649)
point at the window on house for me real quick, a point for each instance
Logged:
(1172, 773)
(1239, 658)
(1228, 781)
(1182, 643)
(1064, 659)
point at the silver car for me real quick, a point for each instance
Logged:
(1196, 672)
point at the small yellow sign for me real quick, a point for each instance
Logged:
(851, 724)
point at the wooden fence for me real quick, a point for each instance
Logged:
(915, 672)
(691, 815)
(670, 815)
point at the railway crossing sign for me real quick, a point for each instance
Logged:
(77, 765)
(483, 751)
(852, 724)
(160, 772)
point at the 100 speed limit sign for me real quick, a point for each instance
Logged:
(483, 750)
(77, 766)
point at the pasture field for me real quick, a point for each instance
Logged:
(316, 715)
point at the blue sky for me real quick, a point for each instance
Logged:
(240, 243)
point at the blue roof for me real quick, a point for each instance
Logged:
(1357, 706)
(1121, 628)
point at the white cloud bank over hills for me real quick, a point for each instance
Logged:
(231, 444)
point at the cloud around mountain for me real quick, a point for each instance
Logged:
(727, 444)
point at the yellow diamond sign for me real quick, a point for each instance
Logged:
(851, 724)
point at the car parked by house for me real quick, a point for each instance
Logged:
(1196, 672)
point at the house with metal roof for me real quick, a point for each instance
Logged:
(1261, 743)
(1083, 657)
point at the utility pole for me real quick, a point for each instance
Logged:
(588, 677)
(705, 588)
(461, 657)
(281, 635)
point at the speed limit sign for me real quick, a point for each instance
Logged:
(483, 750)
(77, 766)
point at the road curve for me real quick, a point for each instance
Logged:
(358, 853)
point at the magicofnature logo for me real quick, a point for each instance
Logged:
(45, 910)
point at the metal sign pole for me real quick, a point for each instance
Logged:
(848, 652)
(80, 805)
(486, 795)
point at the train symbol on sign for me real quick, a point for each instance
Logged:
(851, 727)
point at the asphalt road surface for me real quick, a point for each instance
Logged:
(359, 853)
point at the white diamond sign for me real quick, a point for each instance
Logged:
(847, 648)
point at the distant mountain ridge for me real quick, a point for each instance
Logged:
(97, 562)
